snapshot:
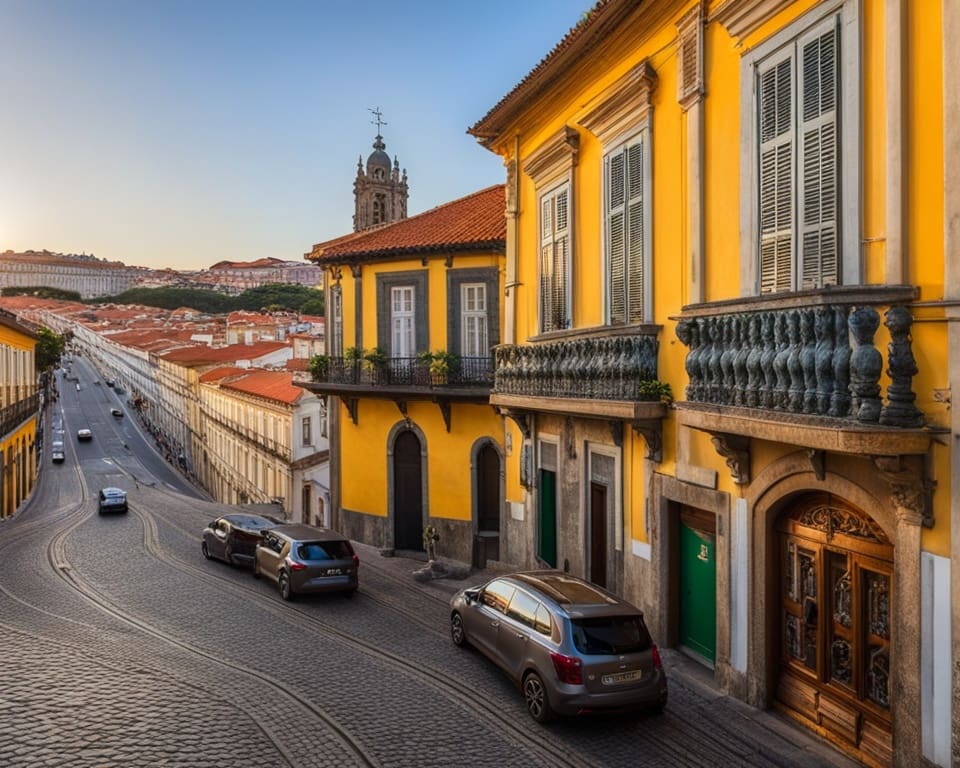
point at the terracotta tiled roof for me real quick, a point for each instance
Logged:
(222, 372)
(272, 385)
(298, 364)
(203, 355)
(475, 222)
(597, 23)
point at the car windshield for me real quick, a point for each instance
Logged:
(325, 550)
(611, 634)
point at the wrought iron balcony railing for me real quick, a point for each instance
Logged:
(407, 372)
(14, 415)
(809, 354)
(597, 367)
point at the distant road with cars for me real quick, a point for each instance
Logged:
(123, 645)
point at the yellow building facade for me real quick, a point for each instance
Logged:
(414, 309)
(19, 404)
(755, 202)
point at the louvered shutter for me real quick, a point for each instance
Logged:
(635, 235)
(776, 174)
(820, 178)
(616, 235)
(561, 278)
(546, 264)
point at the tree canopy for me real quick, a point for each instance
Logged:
(50, 347)
(277, 296)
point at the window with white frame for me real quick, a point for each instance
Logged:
(626, 181)
(555, 260)
(473, 321)
(802, 223)
(402, 321)
(305, 431)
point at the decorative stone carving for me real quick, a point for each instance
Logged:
(652, 432)
(910, 492)
(781, 363)
(823, 330)
(902, 367)
(840, 400)
(808, 362)
(736, 450)
(767, 358)
(795, 402)
(865, 365)
(754, 375)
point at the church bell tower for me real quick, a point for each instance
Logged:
(380, 190)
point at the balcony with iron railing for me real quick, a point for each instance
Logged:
(804, 368)
(597, 373)
(16, 413)
(453, 379)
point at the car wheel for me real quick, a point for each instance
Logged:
(228, 555)
(457, 633)
(535, 695)
(284, 583)
(657, 709)
(349, 593)
(206, 552)
(256, 571)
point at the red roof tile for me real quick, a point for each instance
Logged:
(475, 222)
(222, 372)
(203, 355)
(272, 385)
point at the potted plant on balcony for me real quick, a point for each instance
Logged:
(422, 371)
(375, 363)
(441, 365)
(319, 367)
(653, 391)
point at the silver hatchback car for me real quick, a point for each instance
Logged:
(569, 645)
(303, 558)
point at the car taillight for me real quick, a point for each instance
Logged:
(657, 661)
(569, 668)
(356, 561)
(293, 565)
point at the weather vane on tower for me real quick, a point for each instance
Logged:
(379, 118)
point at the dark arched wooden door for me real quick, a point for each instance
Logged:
(407, 492)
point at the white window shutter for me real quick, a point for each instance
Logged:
(776, 174)
(635, 235)
(616, 236)
(819, 160)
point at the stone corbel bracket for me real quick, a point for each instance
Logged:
(521, 419)
(652, 432)
(352, 404)
(736, 450)
(911, 493)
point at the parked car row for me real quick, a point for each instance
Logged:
(299, 558)
(569, 645)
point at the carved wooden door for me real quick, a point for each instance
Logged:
(836, 615)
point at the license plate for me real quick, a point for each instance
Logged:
(621, 677)
(334, 572)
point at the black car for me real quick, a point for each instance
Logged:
(234, 538)
(116, 413)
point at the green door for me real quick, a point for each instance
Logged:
(547, 545)
(698, 589)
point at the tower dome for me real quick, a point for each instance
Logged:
(378, 164)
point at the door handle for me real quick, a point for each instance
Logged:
(521, 636)
(495, 624)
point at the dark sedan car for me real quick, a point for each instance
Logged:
(234, 538)
(569, 645)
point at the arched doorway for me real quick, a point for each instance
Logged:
(488, 491)
(836, 613)
(407, 492)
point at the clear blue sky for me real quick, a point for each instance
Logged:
(182, 132)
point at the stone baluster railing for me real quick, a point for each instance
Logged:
(817, 360)
(601, 367)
